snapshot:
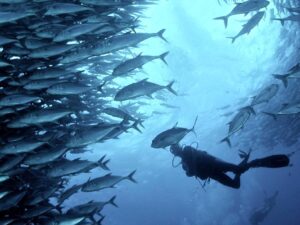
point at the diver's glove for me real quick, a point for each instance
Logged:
(244, 166)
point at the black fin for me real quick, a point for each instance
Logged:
(224, 18)
(227, 140)
(130, 177)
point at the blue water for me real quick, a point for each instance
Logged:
(210, 73)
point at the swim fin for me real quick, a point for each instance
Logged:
(274, 161)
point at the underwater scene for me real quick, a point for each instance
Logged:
(149, 112)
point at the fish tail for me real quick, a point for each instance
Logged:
(130, 177)
(99, 222)
(103, 164)
(227, 140)
(283, 78)
(281, 20)
(160, 34)
(112, 201)
(135, 126)
(58, 208)
(100, 87)
(232, 39)
(140, 122)
(273, 115)
(169, 87)
(163, 56)
(224, 18)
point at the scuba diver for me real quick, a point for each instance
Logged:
(204, 166)
(260, 214)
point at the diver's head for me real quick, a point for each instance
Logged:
(176, 150)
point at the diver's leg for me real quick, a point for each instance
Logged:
(226, 180)
(229, 167)
(224, 167)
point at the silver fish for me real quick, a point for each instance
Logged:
(253, 22)
(89, 136)
(44, 157)
(265, 95)
(74, 31)
(107, 181)
(65, 8)
(9, 16)
(137, 62)
(14, 100)
(286, 109)
(20, 147)
(171, 136)
(141, 88)
(124, 41)
(238, 122)
(50, 50)
(244, 8)
(38, 117)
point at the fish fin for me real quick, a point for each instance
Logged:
(160, 34)
(227, 140)
(101, 159)
(104, 166)
(140, 122)
(283, 78)
(281, 20)
(130, 177)
(284, 105)
(175, 125)
(193, 128)
(133, 29)
(163, 56)
(107, 175)
(273, 115)
(58, 208)
(135, 126)
(99, 88)
(150, 96)
(224, 18)
(99, 222)
(91, 215)
(169, 87)
(232, 39)
(88, 180)
(250, 108)
(112, 202)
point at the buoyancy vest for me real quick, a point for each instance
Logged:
(197, 163)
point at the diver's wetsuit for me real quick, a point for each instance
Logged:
(200, 164)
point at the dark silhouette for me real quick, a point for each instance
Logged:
(204, 166)
(259, 215)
